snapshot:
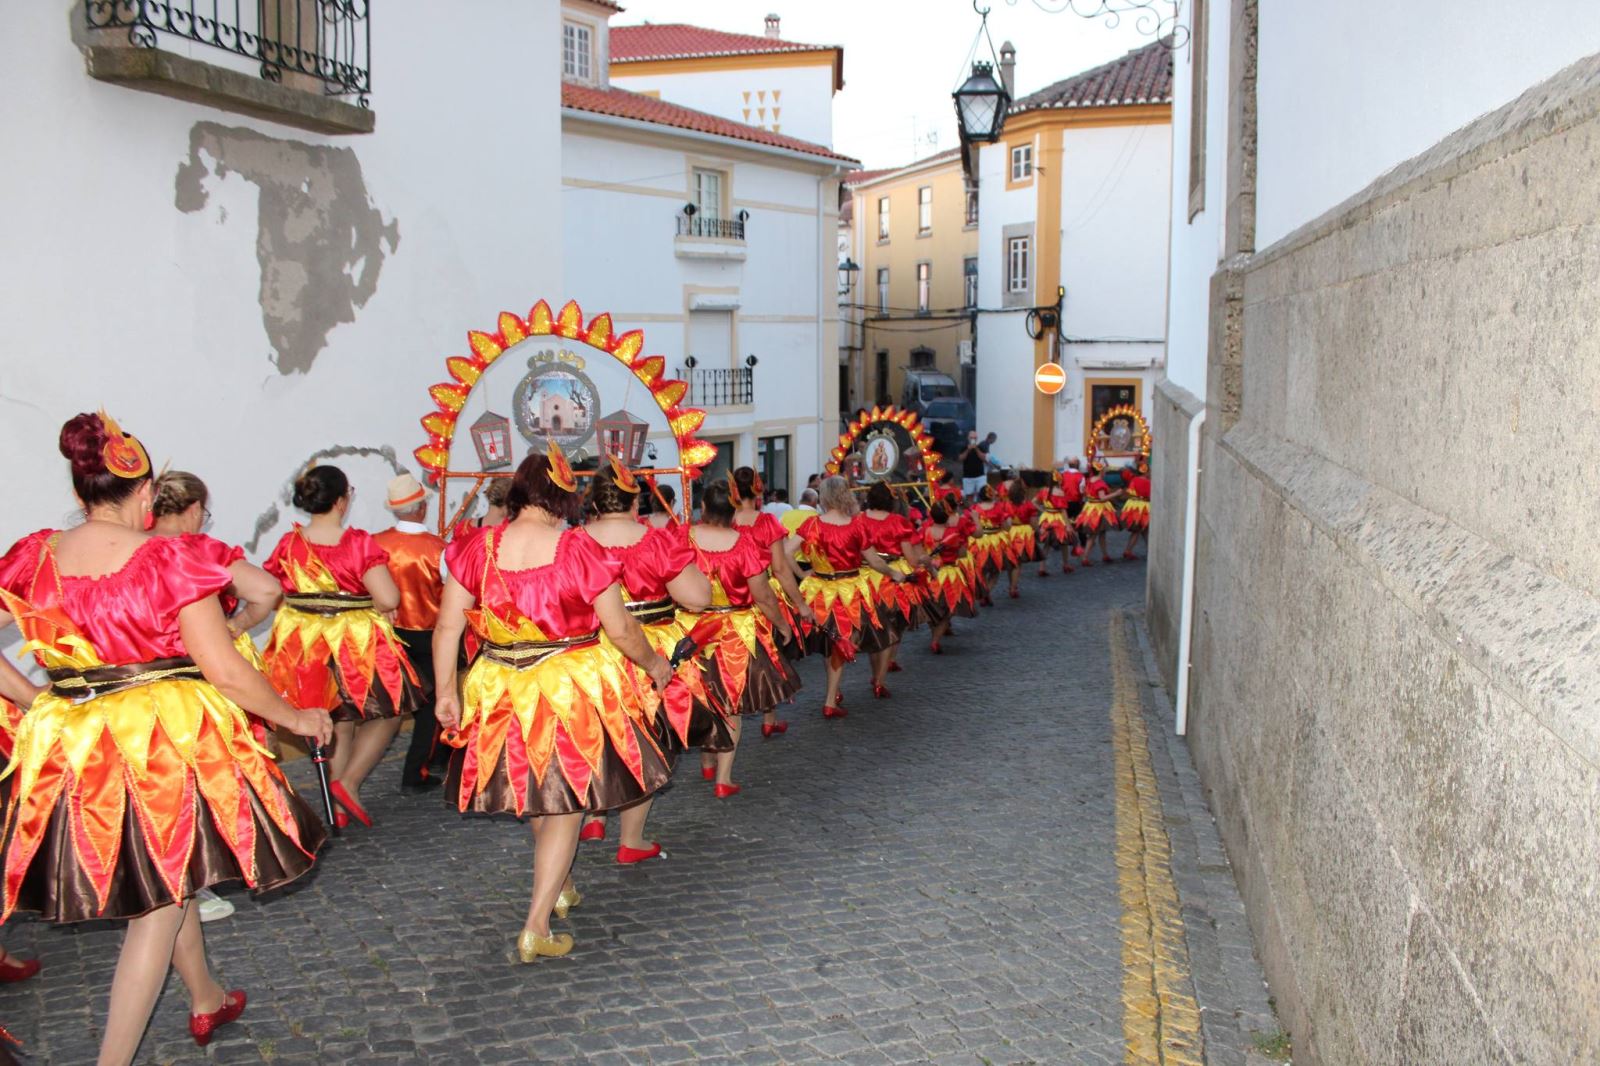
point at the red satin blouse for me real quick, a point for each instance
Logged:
(1072, 485)
(348, 561)
(223, 555)
(1023, 512)
(658, 557)
(886, 535)
(732, 569)
(949, 545)
(558, 597)
(765, 529)
(130, 616)
(834, 547)
(992, 516)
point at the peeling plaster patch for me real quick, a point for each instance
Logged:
(319, 238)
(267, 520)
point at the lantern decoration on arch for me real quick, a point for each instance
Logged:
(623, 435)
(491, 436)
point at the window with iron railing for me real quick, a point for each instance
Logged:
(322, 41)
(731, 229)
(719, 387)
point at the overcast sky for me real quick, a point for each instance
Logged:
(903, 58)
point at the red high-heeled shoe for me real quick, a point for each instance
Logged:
(1065, 569)
(880, 692)
(835, 711)
(203, 1026)
(724, 791)
(933, 646)
(625, 856)
(341, 820)
(1129, 555)
(593, 831)
(347, 801)
(773, 729)
(894, 668)
(13, 970)
(1016, 594)
(708, 773)
(1043, 572)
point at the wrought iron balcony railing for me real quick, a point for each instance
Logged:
(326, 40)
(699, 226)
(734, 387)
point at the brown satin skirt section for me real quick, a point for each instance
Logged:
(877, 636)
(613, 785)
(933, 607)
(768, 683)
(59, 889)
(379, 703)
(708, 731)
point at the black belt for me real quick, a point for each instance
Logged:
(327, 603)
(524, 654)
(80, 686)
(837, 575)
(1053, 510)
(648, 612)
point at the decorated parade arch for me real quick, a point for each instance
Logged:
(890, 445)
(1119, 431)
(588, 389)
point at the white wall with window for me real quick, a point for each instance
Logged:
(925, 209)
(1022, 162)
(1019, 265)
(795, 101)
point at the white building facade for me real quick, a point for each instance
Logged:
(1074, 197)
(253, 292)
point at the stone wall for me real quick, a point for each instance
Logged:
(1172, 410)
(1397, 633)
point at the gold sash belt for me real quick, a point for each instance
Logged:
(650, 611)
(837, 575)
(328, 603)
(525, 654)
(80, 686)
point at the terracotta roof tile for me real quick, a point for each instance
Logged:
(678, 40)
(619, 103)
(1143, 76)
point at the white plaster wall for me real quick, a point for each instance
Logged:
(112, 296)
(1004, 352)
(1345, 91)
(804, 100)
(1196, 244)
(621, 257)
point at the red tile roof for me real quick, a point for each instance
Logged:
(1143, 76)
(677, 40)
(620, 103)
(861, 177)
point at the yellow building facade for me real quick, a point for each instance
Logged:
(914, 236)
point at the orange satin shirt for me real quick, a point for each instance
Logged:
(414, 562)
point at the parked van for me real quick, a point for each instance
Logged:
(923, 386)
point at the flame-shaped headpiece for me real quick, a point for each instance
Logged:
(124, 456)
(625, 479)
(560, 470)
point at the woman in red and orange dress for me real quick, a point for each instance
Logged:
(135, 780)
(746, 491)
(23, 691)
(751, 675)
(659, 576)
(551, 722)
(1099, 515)
(895, 539)
(1135, 515)
(1024, 533)
(951, 593)
(991, 547)
(1055, 532)
(838, 594)
(332, 645)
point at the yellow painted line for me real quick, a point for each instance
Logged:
(1160, 1019)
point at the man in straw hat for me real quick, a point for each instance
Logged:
(416, 559)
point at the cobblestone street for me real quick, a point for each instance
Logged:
(934, 879)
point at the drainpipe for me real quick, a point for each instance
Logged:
(1191, 522)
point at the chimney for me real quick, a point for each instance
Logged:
(772, 27)
(1008, 69)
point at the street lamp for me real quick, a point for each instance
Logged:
(981, 104)
(847, 275)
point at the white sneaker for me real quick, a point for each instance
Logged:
(212, 906)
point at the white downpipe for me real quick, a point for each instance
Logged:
(1191, 523)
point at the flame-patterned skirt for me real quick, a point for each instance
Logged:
(902, 605)
(989, 551)
(688, 714)
(1024, 544)
(1097, 516)
(847, 611)
(554, 727)
(339, 654)
(749, 675)
(1054, 529)
(136, 798)
(1136, 515)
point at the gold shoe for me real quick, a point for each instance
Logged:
(569, 898)
(531, 945)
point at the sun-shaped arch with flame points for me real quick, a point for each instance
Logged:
(1141, 444)
(627, 348)
(932, 469)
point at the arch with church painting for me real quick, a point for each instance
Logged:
(890, 445)
(1119, 433)
(580, 385)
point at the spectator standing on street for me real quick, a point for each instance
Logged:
(779, 505)
(974, 466)
(416, 562)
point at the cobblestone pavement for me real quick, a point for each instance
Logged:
(933, 879)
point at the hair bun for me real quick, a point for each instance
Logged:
(83, 441)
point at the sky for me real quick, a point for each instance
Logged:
(903, 58)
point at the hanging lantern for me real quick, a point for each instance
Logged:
(981, 104)
(623, 435)
(491, 435)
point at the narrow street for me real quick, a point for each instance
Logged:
(974, 871)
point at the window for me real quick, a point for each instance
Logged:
(883, 218)
(922, 358)
(969, 277)
(924, 287)
(1022, 162)
(577, 51)
(972, 206)
(1197, 109)
(1017, 264)
(772, 461)
(925, 209)
(883, 290)
(708, 194)
(883, 380)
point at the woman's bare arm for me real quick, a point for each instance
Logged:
(381, 587)
(258, 590)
